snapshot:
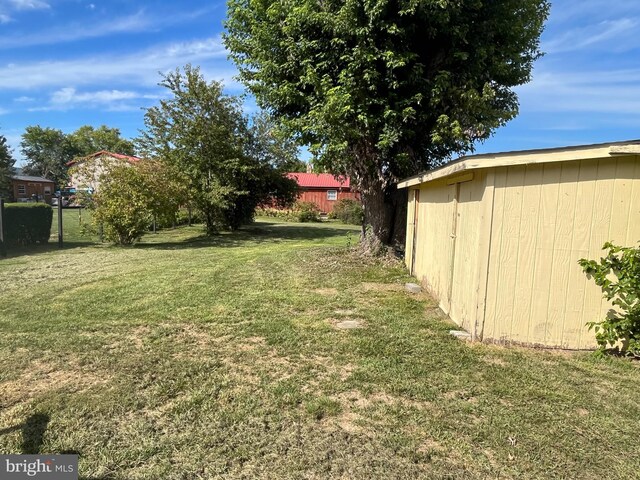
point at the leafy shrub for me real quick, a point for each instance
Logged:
(27, 223)
(301, 212)
(348, 211)
(122, 205)
(306, 212)
(618, 274)
(285, 214)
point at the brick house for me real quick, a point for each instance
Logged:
(25, 188)
(323, 189)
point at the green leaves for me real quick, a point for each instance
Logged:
(367, 84)
(6, 168)
(229, 167)
(618, 275)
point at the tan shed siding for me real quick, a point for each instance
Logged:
(433, 249)
(464, 288)
(545, 218)
(448, 234)
(411, 209)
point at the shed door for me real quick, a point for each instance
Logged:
(464, 265)
(450, 222)
(415, 202)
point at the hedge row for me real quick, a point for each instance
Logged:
(27, 223)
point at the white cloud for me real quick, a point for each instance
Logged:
(29, 4)
(618, 35)
(24, 99)
(3, 111)
(69, 95)
(140, 68)
(605, 92)
(4, 18)
(71, 32)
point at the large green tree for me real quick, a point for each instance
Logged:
(270, 144)
(6, 168)
(88, 140)
(47, 152)
(384, 89)
(202, 132)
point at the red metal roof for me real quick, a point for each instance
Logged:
(320, 180)
(128, 158)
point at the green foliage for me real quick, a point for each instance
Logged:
(302, 212)
(87, 140)
(27, 223)
(47, 152)
(202, 133)
(380, 90)
(6, 168)
(322, 407)
(348, 211)
(306, 212)
(271, 145)
(122, 206)
(618, 274)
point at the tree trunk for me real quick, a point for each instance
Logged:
(385, 212)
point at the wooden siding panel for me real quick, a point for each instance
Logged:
(574, 328)
(411, 210)
(493, 281)
(484, 253)
(509, 251)
(563, 259)
(546, 234)
(633, 235)
(528, 242)
(594, 305)
(465, 282)
(319, 197)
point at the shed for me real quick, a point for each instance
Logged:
(496, 238)
(323, 189)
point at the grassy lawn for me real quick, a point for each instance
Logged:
(72, 221)
(186, 357)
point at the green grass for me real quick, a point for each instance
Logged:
(73, 220)
(186, 357)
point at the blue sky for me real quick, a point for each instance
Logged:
(67, 63)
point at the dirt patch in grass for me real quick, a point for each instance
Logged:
(326, 291)
(347, 323)
(494, 361)
(42, 376)
(381, 287)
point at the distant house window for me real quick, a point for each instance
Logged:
(47, 190)
(22, 190)
(332, 194)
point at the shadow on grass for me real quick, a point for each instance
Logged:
(262, 232)
(33, 430)
(13, 252)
